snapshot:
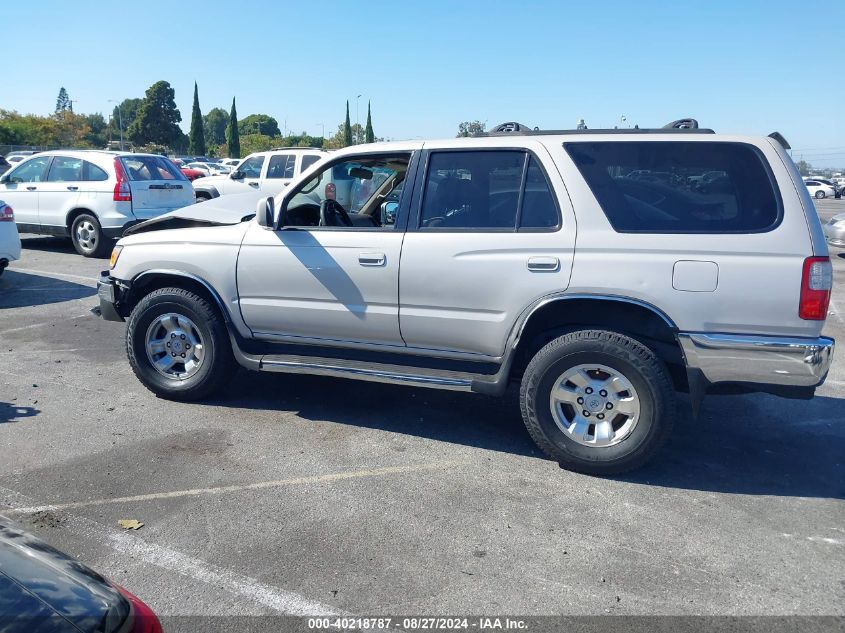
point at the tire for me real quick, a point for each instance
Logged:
(198, 322)
(631, 439)
(87, 236)
(819, 195)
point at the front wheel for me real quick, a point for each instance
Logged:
(819, 195)
(87, 236)
(178, 345)
(598, 402)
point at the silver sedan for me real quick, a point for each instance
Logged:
(834, 230)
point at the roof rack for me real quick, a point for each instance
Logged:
(280, 149)
(683, 126)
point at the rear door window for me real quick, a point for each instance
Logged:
(281, 166)
(487, 190)
(680, 187)
(65, 169)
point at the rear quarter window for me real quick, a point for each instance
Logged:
(680, 187)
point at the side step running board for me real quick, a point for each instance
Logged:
(489, 384)
(375, 372)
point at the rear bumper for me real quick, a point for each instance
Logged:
(116, 232)
(764, 361)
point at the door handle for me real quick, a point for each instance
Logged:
(73, 188)
(371, 259)
(543, 264)
(31, 188)
(252, 184)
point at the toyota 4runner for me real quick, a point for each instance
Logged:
(601, 270)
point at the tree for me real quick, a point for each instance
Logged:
(471, 128)
(233, 139)
(97, 124)
(214, 124)
(63, 103)
(158, 118)
(804, 167)
(124, 114)
(347, 128)
(196, 144)
(259, 124)
(369, 135)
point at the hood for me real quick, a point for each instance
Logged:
(39, 581)
(225, 210)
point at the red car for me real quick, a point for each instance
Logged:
(190, 174)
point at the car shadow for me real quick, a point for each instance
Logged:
(13, 412)
(751, 444)
(47, 244)
(19, 290)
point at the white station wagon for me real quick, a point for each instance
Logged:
(92, 196)
(601, 270)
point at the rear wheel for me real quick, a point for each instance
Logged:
(820, 195)
(87, 236)
(597, 402)
(178, 345)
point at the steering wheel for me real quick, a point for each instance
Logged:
(332, 214)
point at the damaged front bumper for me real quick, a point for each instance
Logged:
(109, 293)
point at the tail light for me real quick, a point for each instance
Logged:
(816, 285)
(331, 191)
(145, 621)
(122, 192)
(7, 214)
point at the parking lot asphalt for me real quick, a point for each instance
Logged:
(297, 494)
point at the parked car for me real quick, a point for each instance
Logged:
(834, 230)
(92, 196)
(10, 241)
(820, 190)
(837, 189)
(231, 162)
(268, 172)
(20, 155)
(521, 257)
(210, 169)
(190, 174)
(4, 165)
(42, 589)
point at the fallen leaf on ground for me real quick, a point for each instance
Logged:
(130, 524)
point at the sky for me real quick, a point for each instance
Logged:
(738, 66)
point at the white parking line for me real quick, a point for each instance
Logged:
(195, 492)
(49, 273)
(280, 600)
(36, 325)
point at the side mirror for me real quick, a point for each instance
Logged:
(388, 212)
(265, 212)
(4, 177)
(237, 175)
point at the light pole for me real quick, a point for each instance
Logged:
(119, 121)
(323, 128)
(357, 120)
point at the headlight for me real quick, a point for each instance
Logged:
(115, 253)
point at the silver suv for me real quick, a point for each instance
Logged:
(601, 270)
